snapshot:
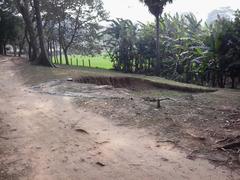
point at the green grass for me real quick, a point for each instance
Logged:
(99, 61)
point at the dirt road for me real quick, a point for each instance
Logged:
(45, 137)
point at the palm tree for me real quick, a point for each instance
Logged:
(156, 8)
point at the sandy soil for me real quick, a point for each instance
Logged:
(49, 136)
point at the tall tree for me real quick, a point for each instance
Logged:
(43, 57)
(31, 12)
(156, 8)
(24, 9)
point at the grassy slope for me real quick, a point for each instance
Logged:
(158, 81)
(41, 74)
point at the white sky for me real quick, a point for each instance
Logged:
(134, 10)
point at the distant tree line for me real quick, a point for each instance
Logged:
(190, 51)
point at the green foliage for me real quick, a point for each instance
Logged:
(120, 44)
(190, 52)
(11, 28)
(75, 24)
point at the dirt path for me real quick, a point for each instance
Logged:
(45, 137)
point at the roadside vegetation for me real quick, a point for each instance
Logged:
(190, 51)
(176, 47)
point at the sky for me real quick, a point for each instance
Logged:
(136, 11)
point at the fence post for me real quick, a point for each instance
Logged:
(89, 62)
(83, 62)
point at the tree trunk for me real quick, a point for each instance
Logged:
(55, 53)
(213, 79)
(149, 65)
(60, 53)
(66, 56)
(233, 82)
(49, 50)
(4, 49)
(60, 40)
(43, 57)
(158, 61)
(15, 50)
(137, 64)
(21, 46)
(1, 48)
(24, 10)
(220, 80)
(20, 52)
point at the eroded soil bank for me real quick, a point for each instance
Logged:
(55, 129)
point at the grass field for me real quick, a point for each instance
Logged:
(99, 61)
